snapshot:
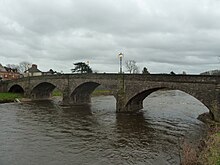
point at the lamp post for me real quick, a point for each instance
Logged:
(120, 61)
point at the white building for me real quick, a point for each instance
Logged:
(33, 71)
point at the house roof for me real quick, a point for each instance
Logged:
(33, 69)
(2, 69)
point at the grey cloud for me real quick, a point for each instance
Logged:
(169, 34)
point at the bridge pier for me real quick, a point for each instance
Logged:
(122, 107)
(215, 111)
(134, 106)
(76, 98)
(79, 99)
(66, 97)
(66, 100)
(3, 86)
(215, 105)
(27, 93)
(120, 95)
(120, 101)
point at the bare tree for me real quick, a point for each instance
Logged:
(131, 66)
(12, 66)
(23, 66)
(136, 69)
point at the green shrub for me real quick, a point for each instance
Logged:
(8, 97)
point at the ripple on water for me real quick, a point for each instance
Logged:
(43, 132)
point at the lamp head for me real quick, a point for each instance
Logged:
(120, 55)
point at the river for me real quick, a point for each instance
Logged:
(44, 133)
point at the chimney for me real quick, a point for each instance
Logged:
(34, 66)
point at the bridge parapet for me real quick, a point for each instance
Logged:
(174, 78)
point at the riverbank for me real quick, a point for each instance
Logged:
(9, 97)
(210, 153)
(208, 150)
(101, 93)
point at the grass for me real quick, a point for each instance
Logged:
(9, 97)
(101, 92)
(211, 153)
(208, 152)
(214, 150)
(57, 93)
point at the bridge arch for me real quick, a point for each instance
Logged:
(42, 90)
(135, 102)
(16, 89)
(82, 93)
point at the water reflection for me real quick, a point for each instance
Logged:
(134, 126)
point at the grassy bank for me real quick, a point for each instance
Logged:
(101, 92)
(9, 97)
(57, 93)
(208, 152)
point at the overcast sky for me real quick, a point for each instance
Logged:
(162, 35)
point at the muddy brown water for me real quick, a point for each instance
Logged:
(44, 133)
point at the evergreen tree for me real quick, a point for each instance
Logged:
(145, 71)
(81, 67)
(172, 73)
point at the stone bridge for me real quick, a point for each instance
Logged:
(129, 89)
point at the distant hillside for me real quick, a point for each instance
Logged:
(211, 72)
